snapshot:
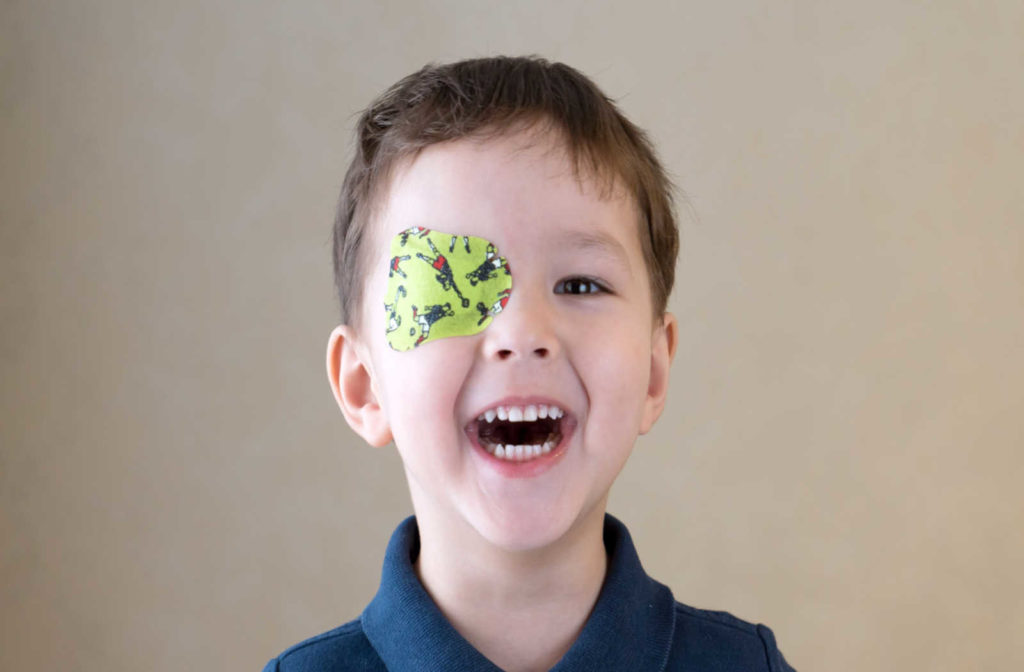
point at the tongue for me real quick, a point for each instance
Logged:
(537, 432)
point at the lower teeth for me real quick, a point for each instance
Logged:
(519, 453)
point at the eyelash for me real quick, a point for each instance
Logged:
(578, 282)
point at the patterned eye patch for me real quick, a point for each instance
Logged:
(442, 285)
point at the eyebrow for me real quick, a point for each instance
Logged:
(597, 242)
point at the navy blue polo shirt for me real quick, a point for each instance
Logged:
(636, 625)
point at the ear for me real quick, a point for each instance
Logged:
(663, 350)
(350, 373)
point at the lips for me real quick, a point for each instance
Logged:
(520, 433)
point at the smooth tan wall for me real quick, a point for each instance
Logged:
(841, 456)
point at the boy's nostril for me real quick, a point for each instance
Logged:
(506, 353)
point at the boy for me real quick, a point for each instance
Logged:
(518, 233)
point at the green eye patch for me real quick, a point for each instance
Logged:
(441, 285)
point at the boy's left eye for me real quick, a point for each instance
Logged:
(578, 285)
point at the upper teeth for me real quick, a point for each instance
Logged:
(521, 413)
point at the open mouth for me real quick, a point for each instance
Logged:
(520, 433)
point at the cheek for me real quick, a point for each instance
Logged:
(620, 364)
(421, 389)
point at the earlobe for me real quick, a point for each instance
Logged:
(351, 378)
(663, 350)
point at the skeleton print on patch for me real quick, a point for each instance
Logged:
(441, 285)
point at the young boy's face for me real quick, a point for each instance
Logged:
(576, 333)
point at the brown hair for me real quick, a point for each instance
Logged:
(492, 96)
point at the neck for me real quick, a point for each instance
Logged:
(521, 609)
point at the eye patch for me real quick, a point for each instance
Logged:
(442, 285)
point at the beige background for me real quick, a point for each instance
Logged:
(841, 458)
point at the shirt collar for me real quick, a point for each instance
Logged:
(630, 627)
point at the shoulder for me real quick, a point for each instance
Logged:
(720, 641)
(343, 648)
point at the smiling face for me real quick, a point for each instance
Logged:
(575, 339)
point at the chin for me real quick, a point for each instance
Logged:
(520, 531)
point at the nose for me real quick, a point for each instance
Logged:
(523, 330)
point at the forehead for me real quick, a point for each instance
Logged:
(519, 186)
